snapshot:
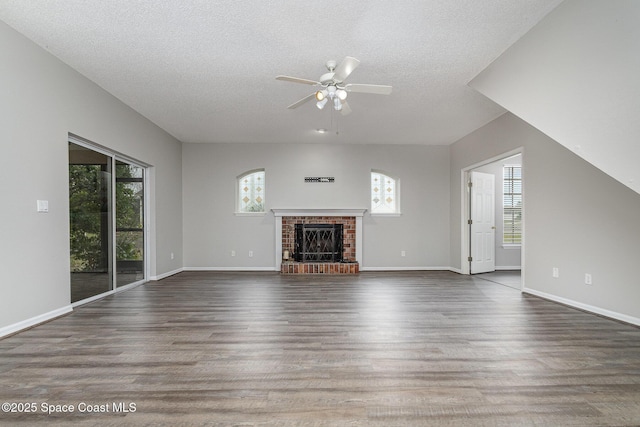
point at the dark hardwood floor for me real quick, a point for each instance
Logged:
(376, 349)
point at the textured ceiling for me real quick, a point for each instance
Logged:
(204, 70)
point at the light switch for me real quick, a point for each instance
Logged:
(43, 206)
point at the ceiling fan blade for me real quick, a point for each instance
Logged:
(303, 100)
(297, 80)
(375, 89)
(345, 68)
(345, 108)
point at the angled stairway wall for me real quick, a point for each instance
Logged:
(574, 77)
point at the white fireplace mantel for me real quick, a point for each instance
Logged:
(279, 213)
(318, 212)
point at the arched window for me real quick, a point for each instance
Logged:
(385, 193)
(251, 187)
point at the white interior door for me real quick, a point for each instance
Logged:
(483, 227)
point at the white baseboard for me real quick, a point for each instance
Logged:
(404, 268)
(130, 286)
(455, 270)
(586, 307)
(230, 269)
(28, 323)
(167, 274)
(506, 267)
(361, 269)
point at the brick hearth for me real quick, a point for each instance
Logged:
(351, 220)
(348, 229)
(348, 246)
(293, 267)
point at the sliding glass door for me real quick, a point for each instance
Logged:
(106, 210)
(90, 214)
(129, 223)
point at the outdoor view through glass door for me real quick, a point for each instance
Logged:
(106, 211)
(90, 216)
(129, 223)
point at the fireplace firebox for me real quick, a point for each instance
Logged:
(318, 243)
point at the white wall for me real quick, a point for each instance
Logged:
(507, 257)
(42, 100)
(577, 218)
(212, 231)
(574, 76)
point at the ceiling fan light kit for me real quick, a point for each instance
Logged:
(322, 103)
(333, 87)
(332, 92)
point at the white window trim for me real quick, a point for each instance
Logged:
(249, 213)
(398, 211)
(511, 245)
(389, 214)
(237, 211)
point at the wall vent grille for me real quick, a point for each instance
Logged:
(319, 179)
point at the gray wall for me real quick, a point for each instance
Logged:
(574, 76)
(588, 226)
(212, 231)
(577, 218)
(42, 101)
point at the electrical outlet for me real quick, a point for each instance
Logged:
(233, 253)
(588, 280)
(250, 254)
(403, 253)
(555, 272)
(43, 206)
(172, 256)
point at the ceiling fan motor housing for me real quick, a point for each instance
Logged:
(331, 64)
(327, 79)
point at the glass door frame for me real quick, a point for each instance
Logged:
(115, 157)
(119, 160)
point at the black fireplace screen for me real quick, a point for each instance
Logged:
(318, 242)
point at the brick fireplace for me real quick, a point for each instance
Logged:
(286, 220)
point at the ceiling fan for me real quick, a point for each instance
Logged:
(331, 86)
